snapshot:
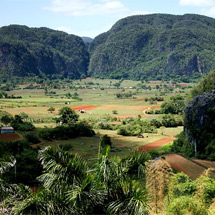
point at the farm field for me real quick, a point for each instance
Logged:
(97, 97)
(100, 100)
(193, 168)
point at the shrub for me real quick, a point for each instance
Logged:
(32, 138)
(66, 132)
(114, 112)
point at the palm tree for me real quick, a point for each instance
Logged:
(132, 201)
(70, 187)
(5, 188)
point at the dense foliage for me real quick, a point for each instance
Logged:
(134, 185)
(41, 51)
(198, 138)
(27, 167)
(199, 125)
(157, 46)
(66, 132)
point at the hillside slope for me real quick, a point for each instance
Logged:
(28, 51)
(155, 46)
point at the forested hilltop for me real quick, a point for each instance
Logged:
(157, 46)
(41, 51)
(144, 47)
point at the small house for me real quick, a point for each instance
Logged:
(6, 130)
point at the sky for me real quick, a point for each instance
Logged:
(92, 17)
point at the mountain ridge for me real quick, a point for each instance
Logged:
(35, 51)
(141, 47)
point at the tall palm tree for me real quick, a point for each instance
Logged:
(5, 188)
(68, 187)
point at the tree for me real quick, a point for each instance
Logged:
(51, 109)
(23, 115)
(6, 119)
(67, 116)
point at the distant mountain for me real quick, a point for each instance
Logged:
(87, 39)
(158, 46)
(28, 51)
(155, 47)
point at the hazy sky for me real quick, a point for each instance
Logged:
(91, 17)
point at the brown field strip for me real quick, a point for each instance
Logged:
(9, 137)
(208, 164)
(184, 165)
(85, 107)
(156, 144)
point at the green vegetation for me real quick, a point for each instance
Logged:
(41, 52)
(198, 138)
(155, 47)
(67, 116)
(149, 47)
(133, 185)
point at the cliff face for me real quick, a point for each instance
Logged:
(32, 51)
(199, 123)
(155, 46)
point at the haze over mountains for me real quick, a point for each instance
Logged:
(158, 46)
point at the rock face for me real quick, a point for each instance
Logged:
(155, 46)
(199, 123)
(34, 51)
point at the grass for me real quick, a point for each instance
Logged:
(96, 92)
(164, 149)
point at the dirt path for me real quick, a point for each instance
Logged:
(184, 165)
(156, 144)
(151, 108)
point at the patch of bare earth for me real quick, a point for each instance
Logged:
(85, 107)
(155, 144)
(121, 107)
(184, 165)
(9, 137)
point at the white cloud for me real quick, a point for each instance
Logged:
(89, 32)
(208, 11)
(198, 3)
(139, 12)
(86, 7)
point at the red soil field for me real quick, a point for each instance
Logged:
(85, 107)
(182, 84)
(156, 144)
(9, 137)
(121, 107)
(184, 165)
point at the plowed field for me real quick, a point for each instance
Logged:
(9, 137)
(156, 144)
